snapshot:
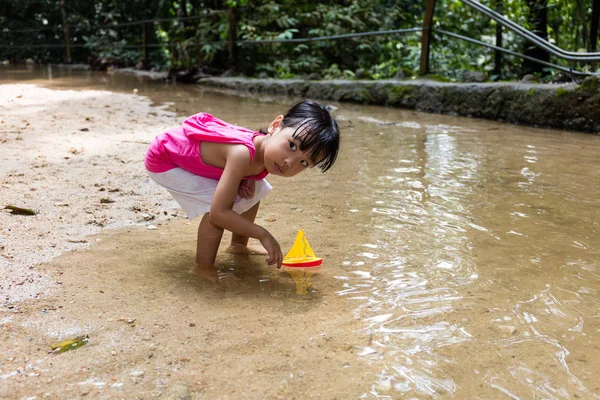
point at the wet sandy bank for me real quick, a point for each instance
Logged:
(75, 158)
(156, 331)
(107, 255)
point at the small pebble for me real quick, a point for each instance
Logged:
(508, 329)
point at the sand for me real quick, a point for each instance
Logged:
(107, 256)
(74, 157)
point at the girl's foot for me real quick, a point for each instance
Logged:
(238, 248)
(209, 273)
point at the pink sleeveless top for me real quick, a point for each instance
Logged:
(180, 147)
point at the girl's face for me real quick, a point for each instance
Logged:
(282, 155)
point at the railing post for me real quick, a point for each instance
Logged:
(497, 53)
(426, 36)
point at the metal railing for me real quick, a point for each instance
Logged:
(524, 33)
(516, 28)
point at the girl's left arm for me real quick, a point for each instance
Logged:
(237, 159)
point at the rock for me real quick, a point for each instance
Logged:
(474, 76)
(591, 83)
(400, 75)
(199, 75)
(529, 78)
(190, 75)
(178, 391)
(562, 77)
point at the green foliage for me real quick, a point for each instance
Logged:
(106, 29)
(561, 92)
(397, 94)
(590, 84)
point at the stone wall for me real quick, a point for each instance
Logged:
(568, 106)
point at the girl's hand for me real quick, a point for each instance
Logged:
(273, 248)
(246, 189)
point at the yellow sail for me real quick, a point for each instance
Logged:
(301, 254)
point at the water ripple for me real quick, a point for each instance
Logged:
(474, 248)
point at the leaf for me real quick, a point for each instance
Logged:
(70, 344)
(20, 211)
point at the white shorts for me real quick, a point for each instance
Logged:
(195, 193)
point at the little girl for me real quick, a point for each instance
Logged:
(217, 169)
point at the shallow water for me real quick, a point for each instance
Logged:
(467, 249)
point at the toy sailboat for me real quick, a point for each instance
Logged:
(301, 263)
(301, 255)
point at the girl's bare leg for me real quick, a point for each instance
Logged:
(239, 244)
(209, 238)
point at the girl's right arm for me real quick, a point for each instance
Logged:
(237, 159)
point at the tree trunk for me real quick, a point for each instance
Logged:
(145, 62)
(67, 32)
(582, 17)
(183, 13)
(594, 26)
(538, 20)
(232, 34)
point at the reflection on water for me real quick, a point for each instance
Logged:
(474, 256)
(420, 260)
(302, 278)
(482, 261)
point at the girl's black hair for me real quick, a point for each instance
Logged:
(317, 131)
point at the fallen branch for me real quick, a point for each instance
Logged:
(136, 141)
